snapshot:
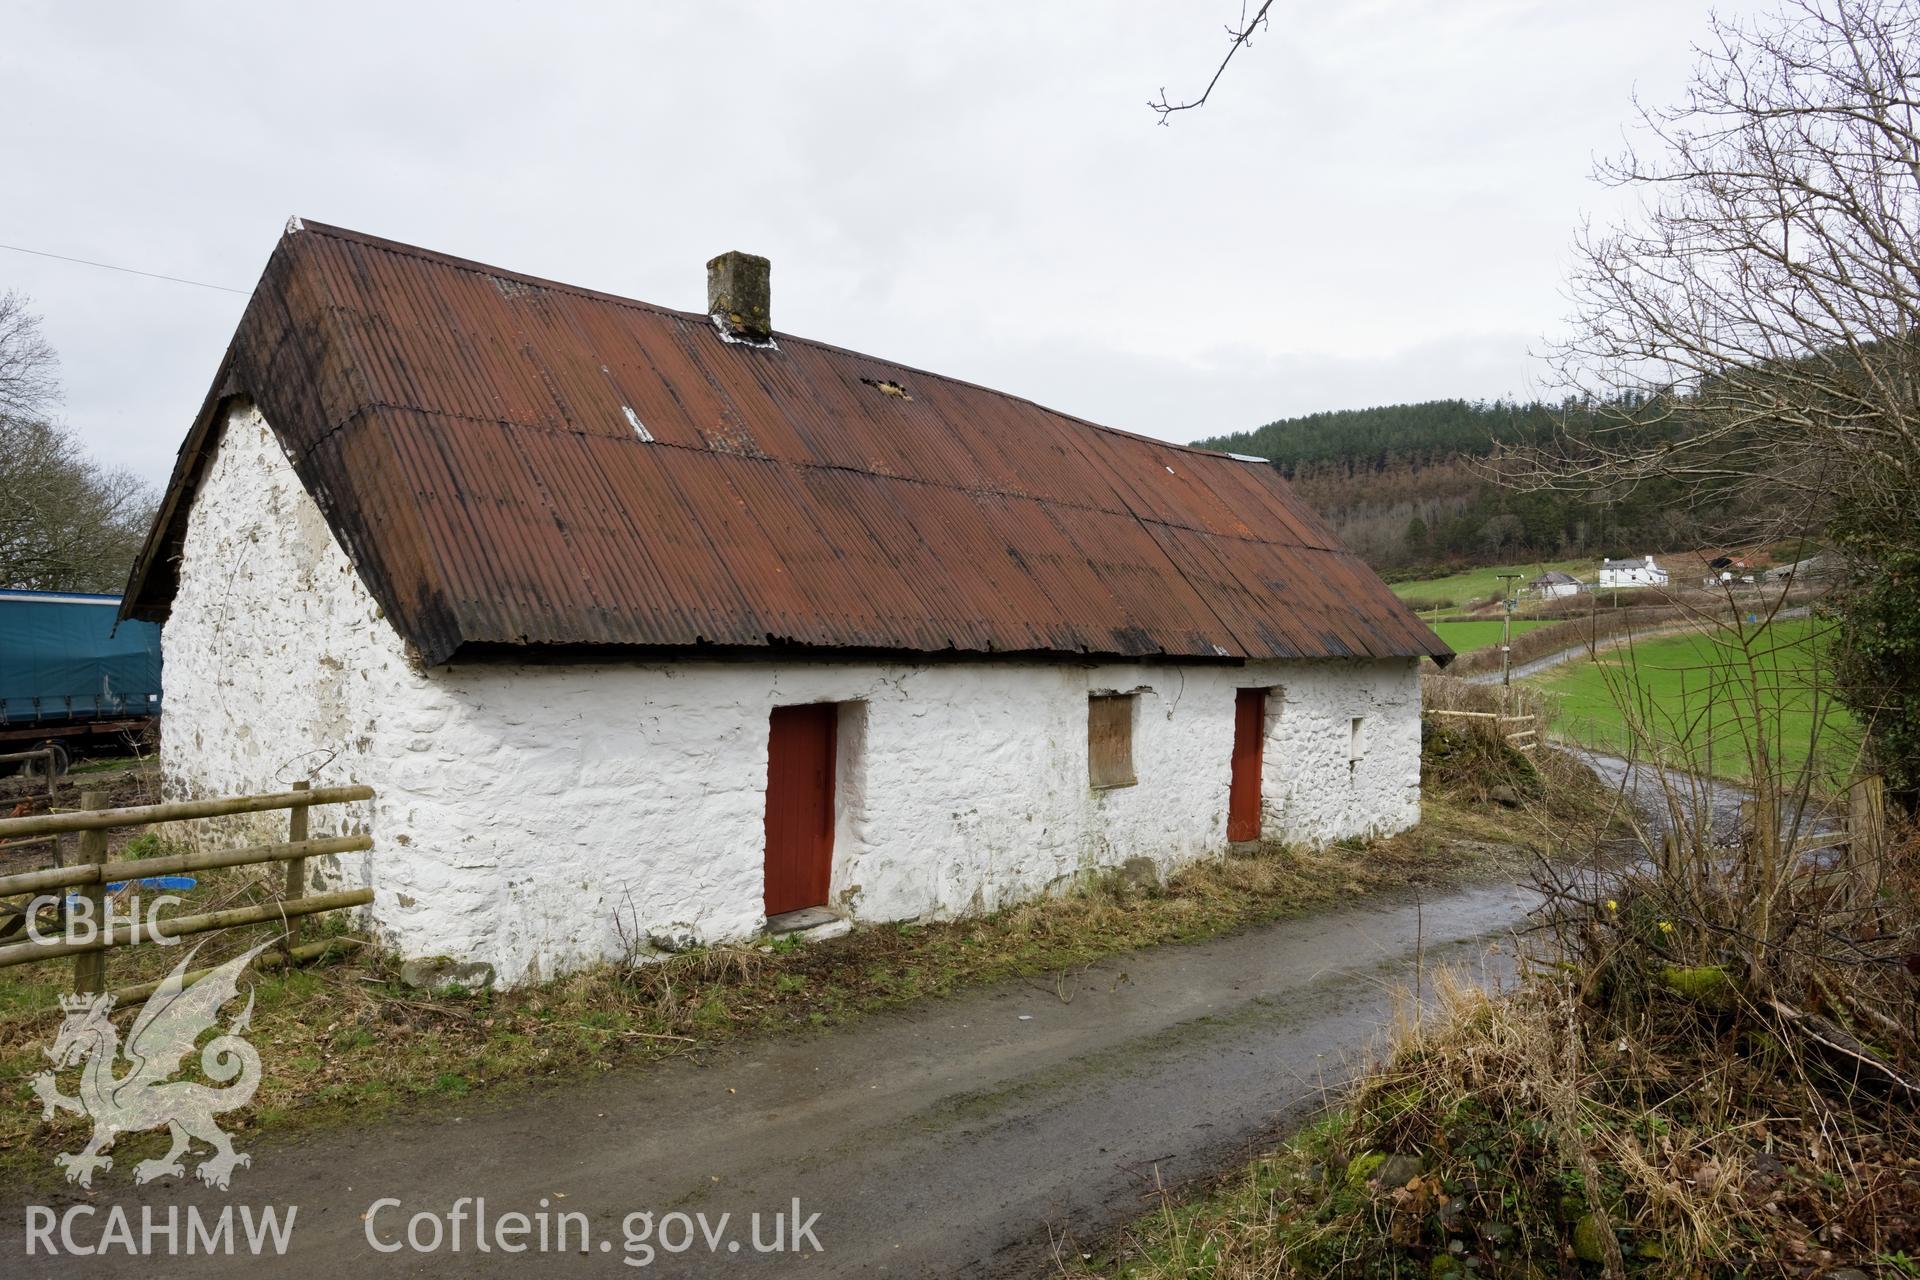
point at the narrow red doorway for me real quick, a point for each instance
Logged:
(1249, 737)
(800, 748)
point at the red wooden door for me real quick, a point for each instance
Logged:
(1249, 736)
(799, 807)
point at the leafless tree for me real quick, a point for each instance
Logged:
(29, 382)
(1755, 322)
(1765, 296)
(66, 522)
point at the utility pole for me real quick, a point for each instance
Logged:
(1506, 627)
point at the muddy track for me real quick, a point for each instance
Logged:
(969, 1136)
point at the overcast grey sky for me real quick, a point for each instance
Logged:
(1376, 205)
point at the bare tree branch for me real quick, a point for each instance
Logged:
(1240, 37)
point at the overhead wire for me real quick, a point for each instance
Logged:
(132, 271)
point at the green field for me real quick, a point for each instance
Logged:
(1472, 585)
(1685, 691)
(1465, 637)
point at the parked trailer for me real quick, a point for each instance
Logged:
(70, 676)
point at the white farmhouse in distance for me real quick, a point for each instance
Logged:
(1631, 573)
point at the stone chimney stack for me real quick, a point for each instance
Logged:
(738, 296)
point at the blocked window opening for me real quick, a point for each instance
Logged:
(1357, 742)
(1110, 739)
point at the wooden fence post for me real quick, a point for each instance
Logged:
(53, 802)
(296, 882)
(1867, 833)
(90, 968)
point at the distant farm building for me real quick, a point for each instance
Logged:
(1726, 571)
(1553, 584)
(657, 627)
(1632, 573)
(1814, 569)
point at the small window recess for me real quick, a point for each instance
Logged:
(1110, 720)
(1356, 742)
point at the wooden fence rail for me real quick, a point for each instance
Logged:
(50, 762)
(1477, 715)
(111, 872)
(1523, 739)
(179, 811)
(88, 878)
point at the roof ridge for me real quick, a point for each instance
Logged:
(298, 225)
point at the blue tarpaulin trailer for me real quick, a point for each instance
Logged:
(68, 672)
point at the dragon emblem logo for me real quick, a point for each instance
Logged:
(145, 1096)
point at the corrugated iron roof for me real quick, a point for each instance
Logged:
(511, 461)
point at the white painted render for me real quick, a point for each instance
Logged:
(533, 816)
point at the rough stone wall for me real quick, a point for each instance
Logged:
(274, 645)
(538, 817)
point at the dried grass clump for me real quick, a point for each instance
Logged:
(1522, 1137)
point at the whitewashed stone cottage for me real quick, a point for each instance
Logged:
(657, 623)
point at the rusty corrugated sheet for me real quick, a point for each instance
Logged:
(468, 433)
